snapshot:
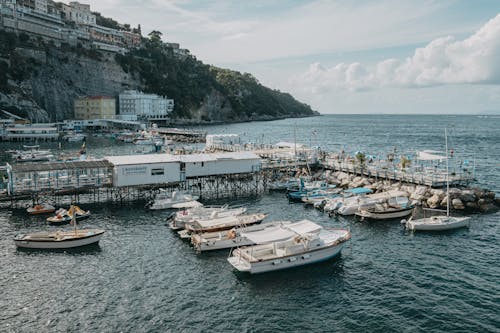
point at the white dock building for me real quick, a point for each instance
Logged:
(133, 170)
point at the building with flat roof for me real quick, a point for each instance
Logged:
(95, 107)
(146, 106)
(79, 13)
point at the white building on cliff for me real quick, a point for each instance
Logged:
(136, 104)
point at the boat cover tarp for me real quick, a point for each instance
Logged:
(216, 221)
(188, 204)
(304, 227)
(358, 190)
(268, 235)
(426, 156)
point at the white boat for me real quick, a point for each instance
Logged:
(41, 209)
(220, 224)
(76, 137)
(58, 239)
(149, 140)
(164, 200)
(394, 208)
(32, 155)
(349, 195)
(439, 223)
(352, 205)
(178, 220)
(307, 243)
(232, 238)
(64, 216)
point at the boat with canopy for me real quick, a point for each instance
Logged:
(301, 243)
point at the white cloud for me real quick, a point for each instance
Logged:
(474, 60)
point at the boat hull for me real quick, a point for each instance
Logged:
(67, 219)
(384, 215)
(41, 209)
(291, 261)
(59, 244)
(439, 225)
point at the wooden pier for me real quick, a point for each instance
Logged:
(419, 176)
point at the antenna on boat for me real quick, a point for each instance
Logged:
(73, 217)
(447, 175)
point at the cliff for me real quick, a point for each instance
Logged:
(39, 80)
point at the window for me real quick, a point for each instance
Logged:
(157, 172)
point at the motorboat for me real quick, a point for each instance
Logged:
(393, 208)
(43, 208)
(282, 185)
(58, 239)
(178, 220)
(216, 224)
(332, 204)
(437, 223)
(352, 205)
(74, 137)
(165, 200)
(297, 196)
(304, 243)
(64, 216)
(231, 238)
(319, 196)
(32, 154)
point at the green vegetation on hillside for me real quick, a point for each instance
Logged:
(189, 82)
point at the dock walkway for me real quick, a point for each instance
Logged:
(428, 177)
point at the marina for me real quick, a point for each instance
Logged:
(368, 258)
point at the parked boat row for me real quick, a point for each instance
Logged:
(258, 247)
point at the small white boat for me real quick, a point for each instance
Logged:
(178, 200)
(220, 224)
(58, 239)
(179, 219)
(394, 208)
(437, 223)
(64, 216)
(77, 137)
(41, 209)
(144, 141)
(384, 212)
(34, 157)
(232, 238)
(350, 195)
(307, 243)
(354, 204)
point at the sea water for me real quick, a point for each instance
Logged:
(143, 278)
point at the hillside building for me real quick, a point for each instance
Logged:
(79, 13)
(95, 107)
(136, 104)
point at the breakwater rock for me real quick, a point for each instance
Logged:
(462, 199)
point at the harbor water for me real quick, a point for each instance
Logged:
(143, 278)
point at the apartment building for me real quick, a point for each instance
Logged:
(95, 107)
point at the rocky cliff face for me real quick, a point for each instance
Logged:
(47, 93)
(42, 82)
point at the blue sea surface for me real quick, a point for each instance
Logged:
(143, 278)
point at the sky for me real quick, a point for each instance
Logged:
(342, 56)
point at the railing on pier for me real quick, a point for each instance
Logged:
(421, 176)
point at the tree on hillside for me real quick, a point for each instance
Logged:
(155, 36)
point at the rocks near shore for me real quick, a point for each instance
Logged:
(470, 199)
